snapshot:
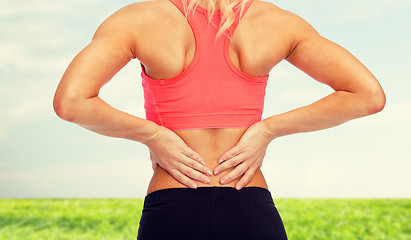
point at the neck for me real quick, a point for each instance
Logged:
(205, 3)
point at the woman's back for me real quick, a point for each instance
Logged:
(169, 44)
(170, 47)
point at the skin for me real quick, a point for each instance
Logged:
(157, 34)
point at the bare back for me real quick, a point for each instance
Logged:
(167, 48)
(160, 37)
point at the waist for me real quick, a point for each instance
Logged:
(163, 180)
(210, 143)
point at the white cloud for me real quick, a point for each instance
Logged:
(344, 11)
(103, 178)
(34, 48)
(11, 8)
(22, 103)
(334, 177)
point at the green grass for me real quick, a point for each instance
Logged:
(73, 219)
(90, 219)
(363, 219)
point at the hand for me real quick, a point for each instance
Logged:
(169, 151)
(246, 156)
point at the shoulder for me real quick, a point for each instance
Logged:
(138, 14)
(127, 25)
(280, 22)
(275, 16)
(153, 8)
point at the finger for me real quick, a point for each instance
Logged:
(193, 155)
(229, 154)
(182, 178)
(193, 174)
(234, 174)
(196, 165)
(248, 175)
(234, 161)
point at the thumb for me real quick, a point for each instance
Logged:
(154, 165)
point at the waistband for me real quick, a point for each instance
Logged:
(214, 192)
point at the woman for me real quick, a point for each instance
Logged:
(204, 80)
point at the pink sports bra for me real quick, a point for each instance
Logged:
(211, 92)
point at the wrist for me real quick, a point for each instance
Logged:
(268, 131)
(153, 133)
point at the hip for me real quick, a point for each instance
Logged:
(211, 213)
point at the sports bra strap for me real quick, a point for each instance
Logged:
(210, 92)
(237, 11)
(179, 5)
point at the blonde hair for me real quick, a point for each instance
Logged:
(226, 11)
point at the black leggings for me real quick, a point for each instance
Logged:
(210, 213)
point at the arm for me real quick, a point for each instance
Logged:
(357, 91)
(357, 94)
(76, 100)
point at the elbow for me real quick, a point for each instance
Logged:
(64, 107)
(375, 101)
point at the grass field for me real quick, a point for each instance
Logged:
(90, 219)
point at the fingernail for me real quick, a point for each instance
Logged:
(216, 172)
(222, 181)
(220, 160)
(202, 162)
(193, 186)
(209, 172)
(238, 187)
(207, 180)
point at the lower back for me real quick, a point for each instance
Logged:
(210, 143)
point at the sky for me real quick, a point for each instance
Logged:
(43, 156)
